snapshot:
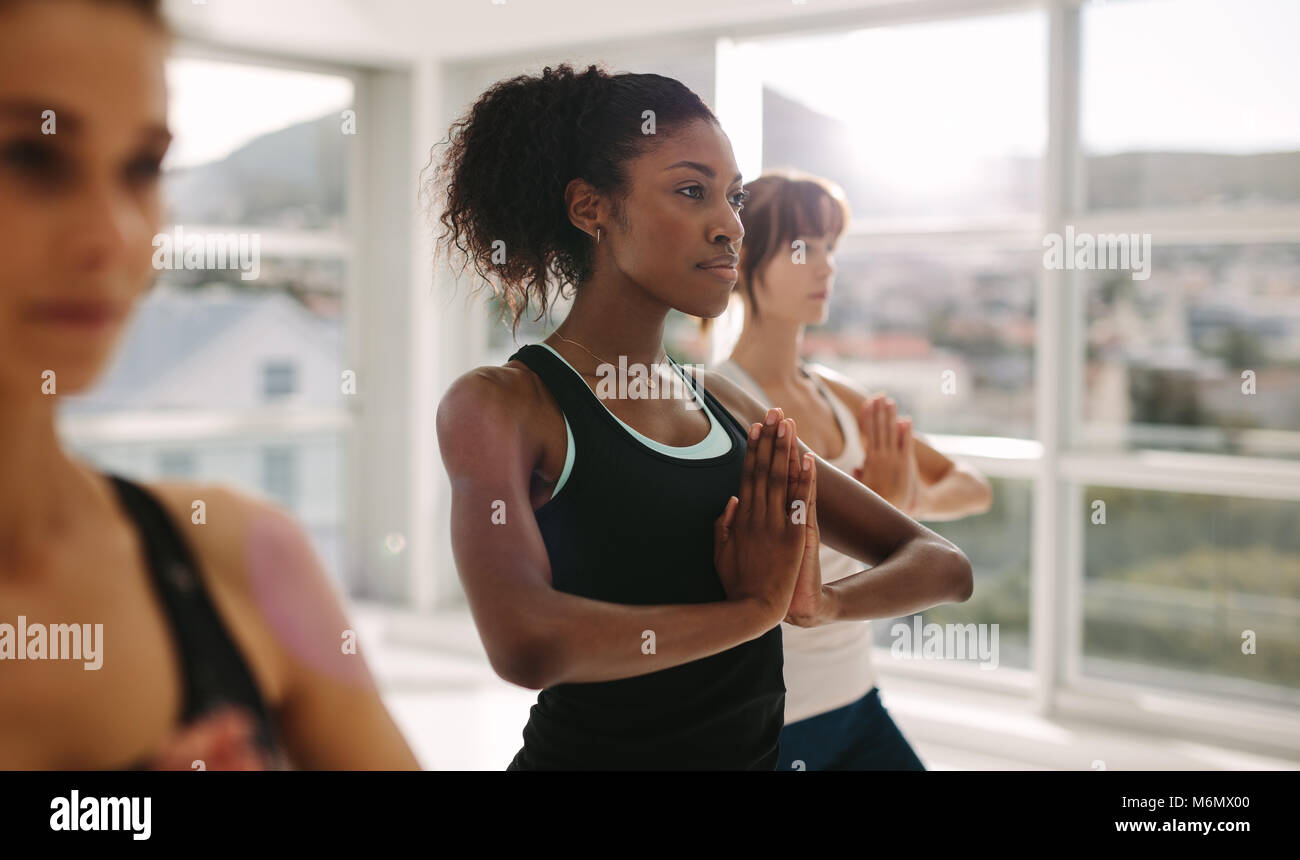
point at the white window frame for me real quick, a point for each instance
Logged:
(128, 426)
(1058, 468)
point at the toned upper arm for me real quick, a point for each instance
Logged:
(852, 519)
(285, 614)
(490, 455)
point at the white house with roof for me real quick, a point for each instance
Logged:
(231, 386)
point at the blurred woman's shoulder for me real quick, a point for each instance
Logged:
(251, 554)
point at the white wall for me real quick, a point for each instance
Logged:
(386, 32)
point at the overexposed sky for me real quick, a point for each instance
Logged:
(1208, 75)
(217, 107)
(1216, 75)
(977, 83)
(925, 102)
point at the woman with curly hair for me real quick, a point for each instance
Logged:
(629, 558)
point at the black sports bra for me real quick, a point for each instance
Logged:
(215, 673)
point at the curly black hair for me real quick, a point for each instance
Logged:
(512, 154)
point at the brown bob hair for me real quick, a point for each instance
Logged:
(783, 204)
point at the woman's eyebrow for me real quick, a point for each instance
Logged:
(34, 112)
(702, 168)
(28, 112)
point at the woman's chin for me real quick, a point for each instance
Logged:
(711, 311)
(64, 373)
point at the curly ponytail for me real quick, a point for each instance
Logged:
(511, 156)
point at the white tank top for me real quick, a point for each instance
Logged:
(830, 666)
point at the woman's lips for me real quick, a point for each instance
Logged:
(726, 273)
(85, 317)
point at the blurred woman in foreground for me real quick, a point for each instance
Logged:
(218, 643)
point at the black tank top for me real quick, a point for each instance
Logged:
(633, 525)
(215, 672)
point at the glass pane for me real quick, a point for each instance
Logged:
(198, 350)
(306, 476)
(255, 148)
(1204, 355)
(207, 349)
(256, 145)
(178, 463)
(880, 112)
(998, 544)
(1176, 586)
(948, 333)
(1190, 103)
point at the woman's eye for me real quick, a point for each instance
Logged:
(738, 199)
(37, 163)
(28, 155)
(145, 169)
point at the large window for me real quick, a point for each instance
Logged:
(231, 368)
(1194, 592)
(1190, 103)
(906, 321)
(1145, 504)
(1204, 355)
(937, 278)
(881, 112)
(1187, 116)
(997, 543)
(1189, 381)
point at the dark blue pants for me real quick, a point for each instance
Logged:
(859, 736)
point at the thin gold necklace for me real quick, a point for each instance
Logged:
(653, 382)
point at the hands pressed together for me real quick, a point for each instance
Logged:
(889, 467)
(766, 541)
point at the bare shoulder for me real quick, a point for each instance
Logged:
(247, 544)
(849, 391)
(511, 382)
(215, 520)
(508, 386)
(489, 404)
(739, 402)
(262, 573)
(845, 387)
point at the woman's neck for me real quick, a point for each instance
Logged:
(613, 320)
(43, 491)
(768, 350)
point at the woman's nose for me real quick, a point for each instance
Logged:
(106, 221)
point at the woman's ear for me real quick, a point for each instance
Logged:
(582, 203)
